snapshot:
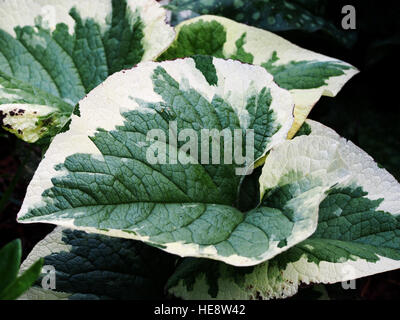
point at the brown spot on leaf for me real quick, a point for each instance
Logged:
(47, 121)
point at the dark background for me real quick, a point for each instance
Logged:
(366, 112)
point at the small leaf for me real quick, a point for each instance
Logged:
(22, 283)
(10, 258)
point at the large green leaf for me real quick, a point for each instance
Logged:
(98, 175)
(52, 53)
(308, 75)
(358, 230)
(91, 266)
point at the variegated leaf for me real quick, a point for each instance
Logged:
(358, 231)
(308, 75)
(98, 176)
(52, 53)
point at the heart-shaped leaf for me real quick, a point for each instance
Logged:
(130, 171)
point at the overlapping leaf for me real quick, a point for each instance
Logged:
(306, 74)
(89, 267)
(273, 15)
(324, 211)
(52, 53)
(358, 230)
(98, 176)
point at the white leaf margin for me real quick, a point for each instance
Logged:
(262, 43)
(103, 106)
(157, 34)
(52, 243)
(257, 284)
(378, 182)
(366, 173)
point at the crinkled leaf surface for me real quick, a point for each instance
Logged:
(358, 230)
(98, 177)
(52, 53)
(92, 266)
(273, 15)
(308, 75)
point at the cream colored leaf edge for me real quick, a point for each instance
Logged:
(261, 44)
(157, 34)
(157, 37)
(270, 284)
(103, 106)
(282, 283)
(52, 243)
